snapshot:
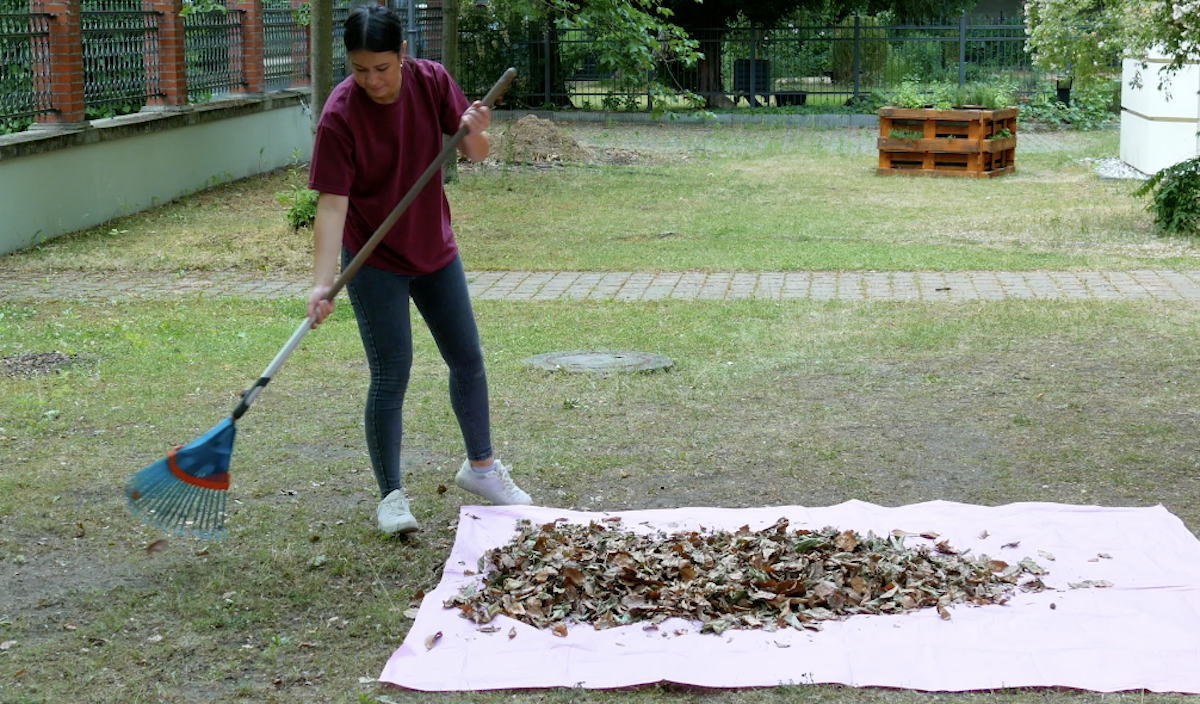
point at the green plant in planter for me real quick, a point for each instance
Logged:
(908, 95)
(1175, 198)
(945, 96)
(1002, 133)
(905, 134)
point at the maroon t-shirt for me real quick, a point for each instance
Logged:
(374, 153)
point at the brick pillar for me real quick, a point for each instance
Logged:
(63, 63)
(253, 73)
(172, 65)
(300, 51)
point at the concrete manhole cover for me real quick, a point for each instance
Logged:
(600, 361)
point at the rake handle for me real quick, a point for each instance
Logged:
(359, 259)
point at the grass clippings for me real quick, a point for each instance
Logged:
(532, 139)
(32, 363)
(599, 574)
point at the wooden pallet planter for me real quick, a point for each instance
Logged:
(956, 142)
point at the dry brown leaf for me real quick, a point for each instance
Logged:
(156, 546)
(558, 572)
(513, 633)
(432, 640)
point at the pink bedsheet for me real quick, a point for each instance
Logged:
(1141, 633)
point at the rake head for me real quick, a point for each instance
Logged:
(184, 493)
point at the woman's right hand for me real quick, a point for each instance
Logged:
(318, 307)
(327, 245)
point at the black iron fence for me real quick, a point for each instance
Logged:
(24, 80)
(754, 66)
(745, 66)
(212, 46)
(120, 52)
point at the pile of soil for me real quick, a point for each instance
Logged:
(532, 139)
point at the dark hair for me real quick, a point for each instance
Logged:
(374, 28)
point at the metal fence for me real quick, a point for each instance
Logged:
(24, 81)
(285, 48)
(212, 44)
(120, 54)
(755, 66)
(743, 66)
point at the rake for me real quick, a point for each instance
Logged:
(184, 492)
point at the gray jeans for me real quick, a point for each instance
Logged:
(380, 300)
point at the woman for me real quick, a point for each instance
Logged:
(380, 129)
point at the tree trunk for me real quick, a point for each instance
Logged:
(450, 37)
(321, 68)
(709, 76)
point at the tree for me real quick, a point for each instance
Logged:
(1079, 37)
(630, 36)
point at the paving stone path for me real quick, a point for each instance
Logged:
(645, 286)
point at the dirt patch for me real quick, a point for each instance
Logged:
(33, 364)
(532, 139)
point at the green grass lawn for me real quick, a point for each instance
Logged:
(697, 198)
(768, 403)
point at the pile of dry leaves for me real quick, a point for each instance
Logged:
(600, 574)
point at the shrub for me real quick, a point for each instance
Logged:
(302, 206)
(1175, 198)
(1091, 108)
(919, 56)
(872, 50)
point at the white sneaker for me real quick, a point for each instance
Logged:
(495, 486)
(393, 514)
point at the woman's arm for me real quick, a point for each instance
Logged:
(475, 145)
(327, 245)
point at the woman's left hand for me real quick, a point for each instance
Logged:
(476, 118)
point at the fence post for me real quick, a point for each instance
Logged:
(962, 49)
(172, 63)
(410, 21)
(546, 34)
(254, 75)
(857, 66)
(753, 102)
(62, 63)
